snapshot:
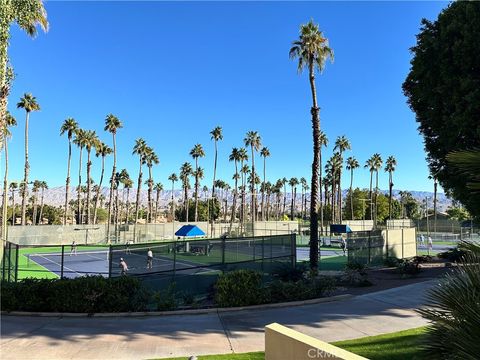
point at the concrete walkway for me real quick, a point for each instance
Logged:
(216, 333)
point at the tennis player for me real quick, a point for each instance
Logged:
(149, 258)
(73, 248)
(123, 266)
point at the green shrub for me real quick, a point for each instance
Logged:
(83, 294)
(356, 266)
(453, 308)
(240, 288)
(391, 261)
(280, 291)
(355, 278)
(286, 272)
(453, 255)
(408, 267)
(166, 299)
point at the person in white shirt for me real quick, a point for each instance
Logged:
(422, 240)
(123, 266)
(149, 258)
(430, 243)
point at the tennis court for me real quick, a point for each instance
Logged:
(182, 257)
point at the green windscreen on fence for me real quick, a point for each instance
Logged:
(193, 265)
(366, 247)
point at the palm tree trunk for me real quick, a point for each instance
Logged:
(89, 167)
(5, 193)
(351, 193)
(196, 189)
(284, 198)
(320, 179)
(371, 195)
(186, 202)
(156, 206)
(40, 217)
(390, 188)
(13, 208)
(234, 206)
(264, 183)
(253, 210)
(314, 253)
(376, 198)
(26, 172)
(150, 188)
(340, 217)
(79, 190)
(128, 206)
(291, 206)
(98, 191)
(67, 183)
(137, 201)
(34, 213)
(110, 196)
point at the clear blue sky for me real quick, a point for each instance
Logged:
(173, 71)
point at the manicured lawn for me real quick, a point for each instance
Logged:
(394, 346)
(332, 263)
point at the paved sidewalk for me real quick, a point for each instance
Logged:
(184, 335)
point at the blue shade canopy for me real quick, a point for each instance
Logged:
(340, 229)
(189, 230)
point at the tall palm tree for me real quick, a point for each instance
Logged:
(312, 51)
(185, 172)
(217, 135)
(112, 124)
(293, 183)
(199, 174)
(158, 188)
(43, 187)
(284, 182)
(265, 152)
(377, 163)
(9, 122)
(235, 156)
(102, 150)
(91, 142)
(196, 153)
(80, 141)
(69, 127)
(27, 14)
(29, 103)
(254, 141)
(341, 145)
(352, 164)
(322, 141)
(151, 159)
(140, 148)
(13, 187)
(173, 178)
(390, 166)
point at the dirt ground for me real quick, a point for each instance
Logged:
(386, 278)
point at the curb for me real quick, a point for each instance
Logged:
(179, 312)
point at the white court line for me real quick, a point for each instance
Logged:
(56, 264)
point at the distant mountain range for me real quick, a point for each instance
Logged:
(56, 196)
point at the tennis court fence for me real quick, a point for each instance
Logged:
(193, 265)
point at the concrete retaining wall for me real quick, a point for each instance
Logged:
(283, 343)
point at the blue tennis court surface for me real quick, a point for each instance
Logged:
(83, 263)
